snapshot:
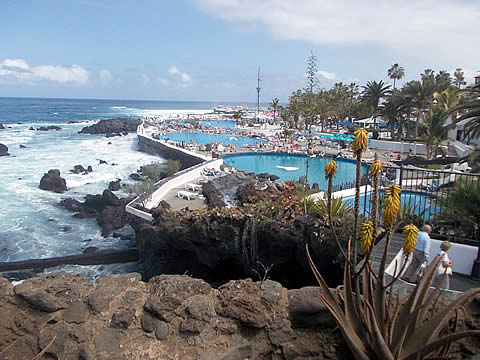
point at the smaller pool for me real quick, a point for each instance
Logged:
(205, 138)
(417, 201)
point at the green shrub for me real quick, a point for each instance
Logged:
(173, 166)
(152, 171)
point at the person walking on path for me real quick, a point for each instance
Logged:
(442, 279)
(420, 255)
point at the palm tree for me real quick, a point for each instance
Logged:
(472, 108)
(420, 94)
(372, 94)
(435, 129)
(396, 72)
(392, 112)
(274, 105)
(459, 78)
(237, 116)
(428, 75)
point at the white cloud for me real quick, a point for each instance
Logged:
(326, 74)
(18, 70)
(182, 78)
(445, 30)
(164, 81)
(105, 76)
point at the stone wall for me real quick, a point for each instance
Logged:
(155, 147)
(170, 317)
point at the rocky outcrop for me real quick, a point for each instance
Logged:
(114, 185)
(52, 181)
(48, 128)
(219, 247)
(107, 208)
(112, 126)
(170, 317)
(234, 185)
(79, 169)
(1, 126)
(4, 150)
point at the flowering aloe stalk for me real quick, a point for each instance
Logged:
(374, 325)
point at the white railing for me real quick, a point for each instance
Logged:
(183, 177)
(397, 146)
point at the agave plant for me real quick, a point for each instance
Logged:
(374, 322)
(339, 208)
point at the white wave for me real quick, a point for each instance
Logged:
(118, 107)
(287, 168)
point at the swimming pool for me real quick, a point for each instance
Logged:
(205, 138)
(293, 166)
(218, 123)
(417, 201)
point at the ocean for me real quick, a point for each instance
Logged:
(32, 225)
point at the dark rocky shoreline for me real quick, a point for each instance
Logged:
(113, 127)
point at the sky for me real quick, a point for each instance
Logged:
(210, 50)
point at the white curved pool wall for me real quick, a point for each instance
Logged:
(341, 194)
(176, 181)
(397, 146)
(462, 256)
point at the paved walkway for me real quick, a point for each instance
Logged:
(458, 282)
(176, 203)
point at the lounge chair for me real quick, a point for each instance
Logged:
(210, 172)
(187, 195)
(193, 187)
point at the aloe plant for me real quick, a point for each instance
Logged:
(374, 322)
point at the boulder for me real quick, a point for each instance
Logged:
(50, 127)
(114, 185)
(22, 146)
(1, 126)
(52, 181)
(136, 177)
(3, 150)
(107, 208)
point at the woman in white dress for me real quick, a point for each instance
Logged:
(444, 268)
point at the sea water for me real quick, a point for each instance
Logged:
(32, 225)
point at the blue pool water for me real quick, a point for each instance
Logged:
(260, 163)
(417, 201)
(218, 123)
(204, 138)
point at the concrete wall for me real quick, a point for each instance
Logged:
(167, 151)
(402, 147)
(462, 257)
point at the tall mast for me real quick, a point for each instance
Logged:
(258, 94)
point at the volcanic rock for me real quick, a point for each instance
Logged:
(114, 185)
(52, 181)
(3, 150)
(107, 208)
(107, 320)
(112, 126)
(50, 127)
(79, 169)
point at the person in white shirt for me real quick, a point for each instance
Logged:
(445, 267)
(420, 255)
